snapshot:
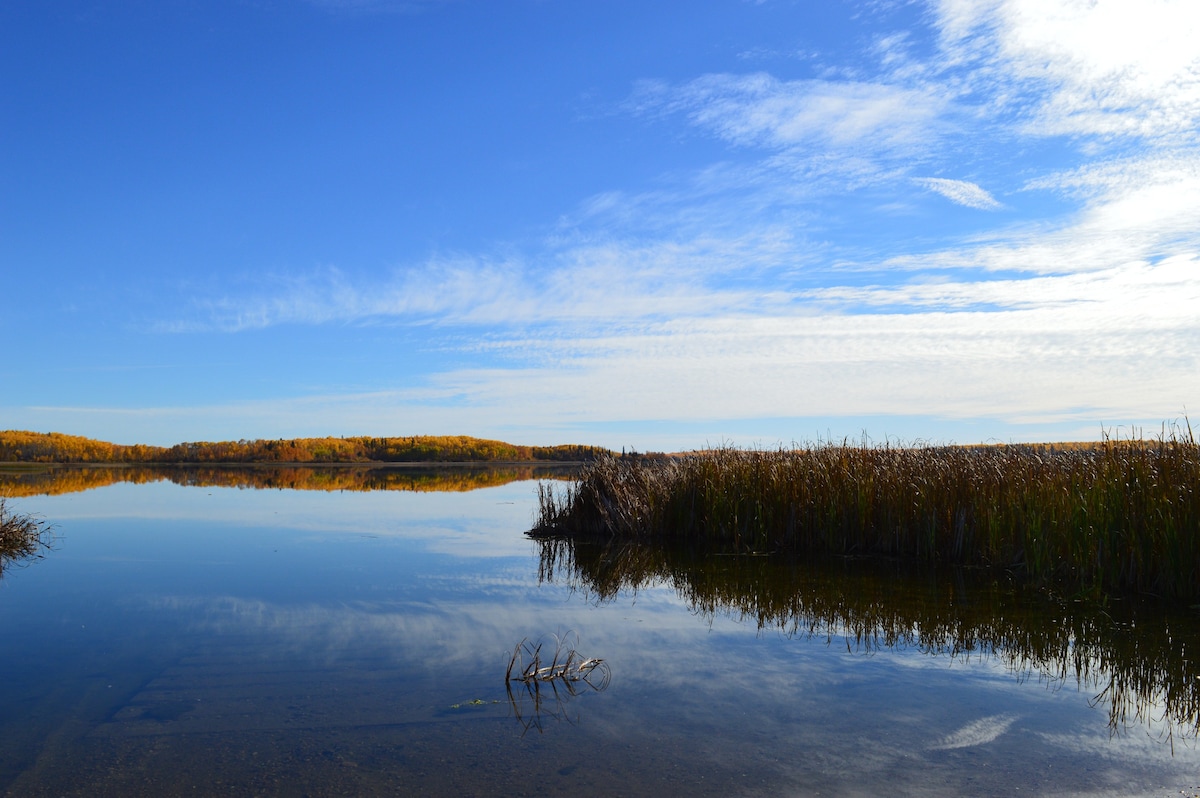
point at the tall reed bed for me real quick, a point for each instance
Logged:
(1120, 515)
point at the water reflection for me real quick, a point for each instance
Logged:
(278, 643)
(1138, 657)
(56, 480)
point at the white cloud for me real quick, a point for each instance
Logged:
(760, 110)
(1120, 67)
(1120, 345)
(579, 281)
(1014, 364)
(961, 192)
(624, 333)
(1169, 289)
(1136, 212)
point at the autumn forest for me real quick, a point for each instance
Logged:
(18, 446)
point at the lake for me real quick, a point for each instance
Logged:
(348, 632)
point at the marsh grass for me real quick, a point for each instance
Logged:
(21, 537)
(1135, 656)
(1120, 515)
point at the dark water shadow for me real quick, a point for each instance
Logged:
(1138, 657)
(25, 480)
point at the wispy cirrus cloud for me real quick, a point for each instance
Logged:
(1135, 212)
(579, 282)
(961, 192)
(865, 119)
(1157, 293)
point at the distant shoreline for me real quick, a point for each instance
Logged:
(28, 465)
(24, 446)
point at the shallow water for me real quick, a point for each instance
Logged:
(202, 639)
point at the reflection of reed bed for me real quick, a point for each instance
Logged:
(1137, 656)
(1120, 515)
(53, 480)
(21, 537)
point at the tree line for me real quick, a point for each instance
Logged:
(19, 446)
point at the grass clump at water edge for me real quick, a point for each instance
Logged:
(1115, 516)
(21, 536)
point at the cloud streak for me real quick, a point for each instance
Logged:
(759, 110)
(961, 192)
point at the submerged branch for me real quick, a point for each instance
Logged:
(548, 687)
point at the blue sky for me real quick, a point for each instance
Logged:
(658, 225)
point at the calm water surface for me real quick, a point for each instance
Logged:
(201, 639)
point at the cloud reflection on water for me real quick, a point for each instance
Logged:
(484, 523)
(352, 634)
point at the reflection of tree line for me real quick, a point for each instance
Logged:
(1138, 656)
(72, 479)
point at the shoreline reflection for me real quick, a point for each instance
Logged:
(1137, 656)
(57, 480)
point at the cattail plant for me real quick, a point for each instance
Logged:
(1117, 515)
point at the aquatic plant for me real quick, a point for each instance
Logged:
(550, 680)
(1117, 515)
(21, 536)
(566, 665)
